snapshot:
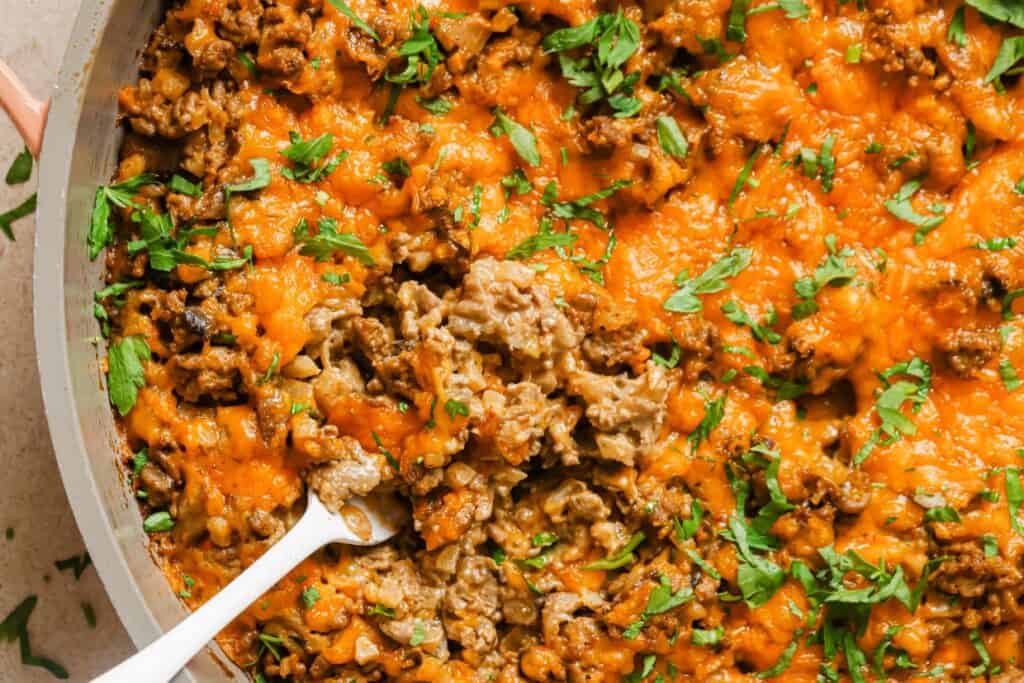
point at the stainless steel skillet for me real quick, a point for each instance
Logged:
(79, 152)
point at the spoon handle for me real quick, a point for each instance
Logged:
(162, 659)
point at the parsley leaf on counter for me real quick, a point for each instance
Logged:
(15, 627)
(685, 299)
(76, 563)
(90, 614)
(328, 240)
(714, 411)
(21, 168)
(101, 231)
(342, 7)
(125, 372)
(26, 208)
(523, 141)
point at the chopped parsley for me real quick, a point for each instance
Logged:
(125, 372)
(900, 207)
(832, 272)
(957, 32)
(544, 539)
(392, 460)
(580, 208)
(342, 7)
(888, 405)
(522, 139)
(306, 157)
(329, 241)
(158, 522)
(762, 331)
(673, 359)
(820, 164)
(996, 244)
(1011, 380)
(713, 413)
(707, 637)
(439, 106)
(421, 51)
(260, 178)
(418, 634)
(623, 557)
(782, 663)
(120, 195)
(793, 9)
(1010, 53)
(784, 389)
(661, 599)
(612, 39)
(744, 177)
(686, 529)
(686, 298)
(310, 597)
(184, 186)
(381, 611)
(942, 514)
(670, 137)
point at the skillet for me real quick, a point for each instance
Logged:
(79, 152)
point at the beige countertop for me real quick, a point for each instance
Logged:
(33, 35)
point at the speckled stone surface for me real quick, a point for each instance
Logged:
(33, 34)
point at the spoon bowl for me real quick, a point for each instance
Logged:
(361, 521)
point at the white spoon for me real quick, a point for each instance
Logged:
(361, 522)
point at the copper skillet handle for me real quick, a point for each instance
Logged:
(27, 112)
